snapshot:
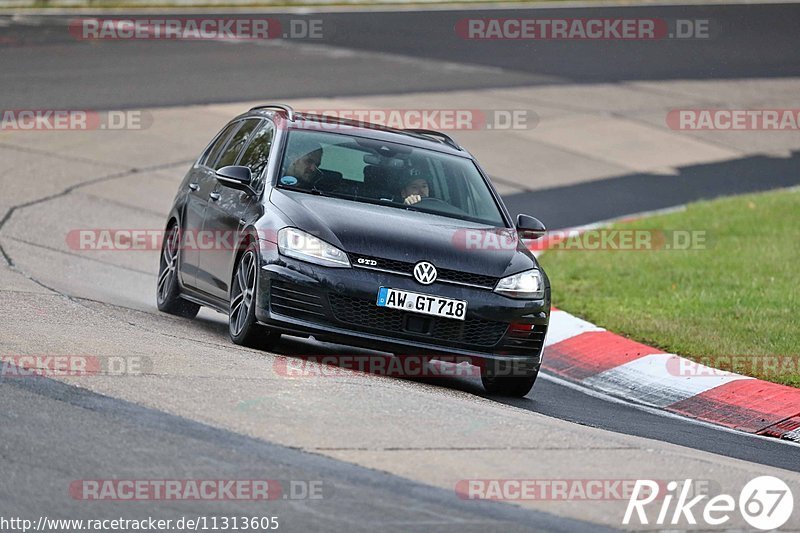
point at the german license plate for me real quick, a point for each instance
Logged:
(426, 304)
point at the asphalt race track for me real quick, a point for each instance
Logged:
(388, 452)
(38, 49)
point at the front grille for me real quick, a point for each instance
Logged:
(473, 331)
(525, 339)
(363, 313)
(406, 268)
(456, 276)
(295, 300)
(401, 267)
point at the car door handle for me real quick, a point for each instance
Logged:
(194, 186)
(214, 196)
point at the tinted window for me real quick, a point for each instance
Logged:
(256, 155)
(398, 176)
(341, 159)
(213, 151)
(236, 144)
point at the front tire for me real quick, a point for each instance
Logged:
(242, 325)
(168, 294)
(504, 378)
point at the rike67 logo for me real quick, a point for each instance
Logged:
(765, 503)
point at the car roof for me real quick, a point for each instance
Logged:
(430, 139)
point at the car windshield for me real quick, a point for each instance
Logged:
(395, 175)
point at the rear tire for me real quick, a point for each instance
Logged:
(168, 293)
(503, 379)
(242, 325)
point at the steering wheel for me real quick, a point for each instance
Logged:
(432, 201)
(437, 204)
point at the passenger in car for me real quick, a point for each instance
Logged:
(304, 167)
(414, 189)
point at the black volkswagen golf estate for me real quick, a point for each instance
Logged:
(387, 239)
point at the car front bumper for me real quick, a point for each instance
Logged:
(339, 305)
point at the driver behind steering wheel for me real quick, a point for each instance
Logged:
(414, 189)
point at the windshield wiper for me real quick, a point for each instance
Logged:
(312, 190)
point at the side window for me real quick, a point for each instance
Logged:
(256, 155)
(213, 151)
(236, 144)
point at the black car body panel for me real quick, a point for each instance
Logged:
(339, 304)
(372, 230)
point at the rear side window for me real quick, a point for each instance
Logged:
(236, 144)
(256, 154)
(213, 151)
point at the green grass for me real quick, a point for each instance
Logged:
(737, 296)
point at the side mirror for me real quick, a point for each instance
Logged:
(236, 177)
(529, 227)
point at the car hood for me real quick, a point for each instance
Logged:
(403, 235)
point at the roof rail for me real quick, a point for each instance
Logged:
(433, 133)
(289, 110)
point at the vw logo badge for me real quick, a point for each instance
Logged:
(425, 272)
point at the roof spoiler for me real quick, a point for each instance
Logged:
(286, 108)
(443, 137)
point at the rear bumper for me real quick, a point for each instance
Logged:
(338, 305)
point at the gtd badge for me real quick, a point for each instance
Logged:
(425, 272)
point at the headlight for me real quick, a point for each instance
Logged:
(298, 244)
(528, 284)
